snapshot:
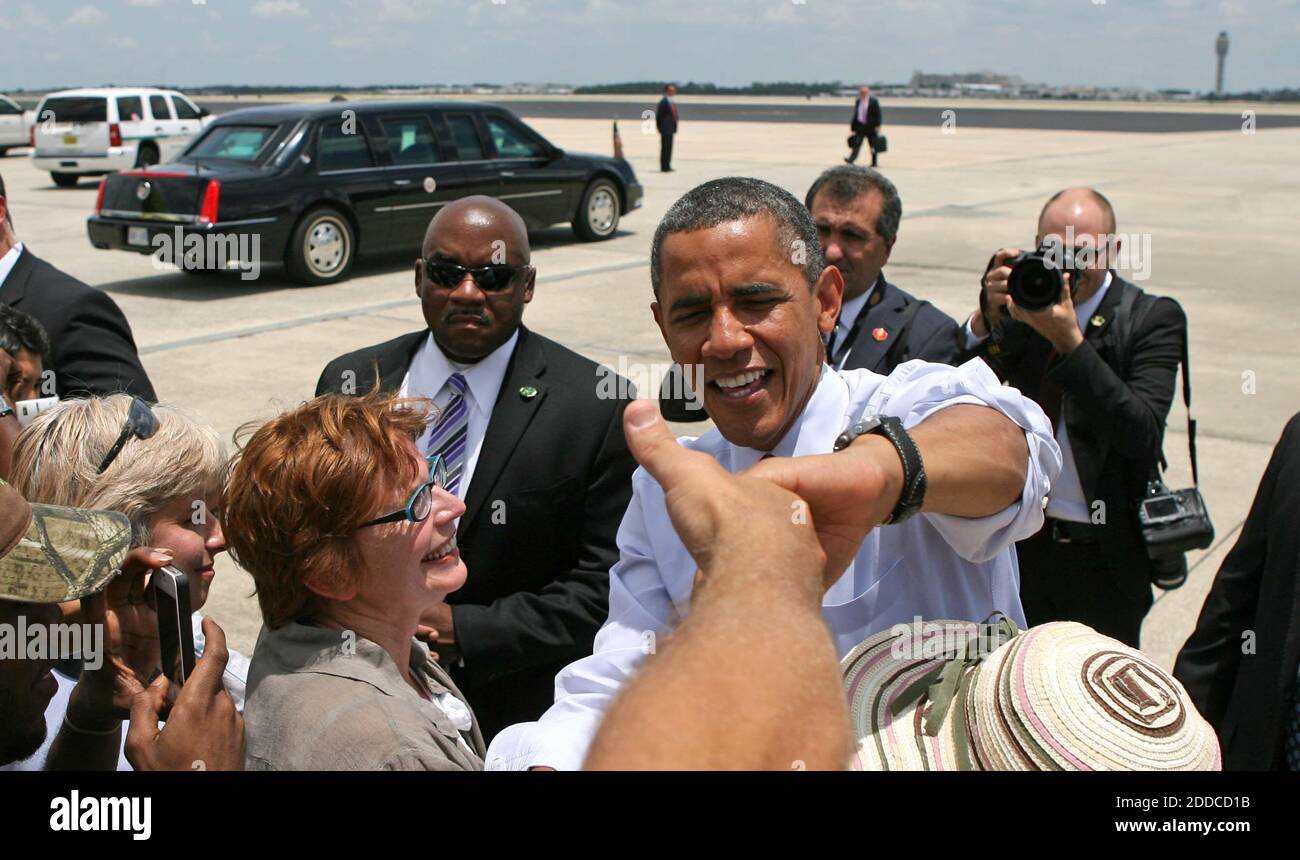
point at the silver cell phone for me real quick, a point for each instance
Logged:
(175, 629)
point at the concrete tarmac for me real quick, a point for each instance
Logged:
(1218, 209)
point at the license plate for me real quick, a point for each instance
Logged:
(69, 140)
(137, 236)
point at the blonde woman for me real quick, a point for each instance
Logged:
(156, 465)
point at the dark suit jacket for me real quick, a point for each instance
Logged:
(664, 119)
(538, 536)
(1115, 415)
(875, 117)
(92, 351)
(931, 335)
(1257, 589)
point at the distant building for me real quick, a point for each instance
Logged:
(1221, 51)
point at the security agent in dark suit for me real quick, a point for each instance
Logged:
(865, 124)
(538, 457)
(1108, 397)
(1240, 663)
(92, 350)
(857, 212)
(666, 122)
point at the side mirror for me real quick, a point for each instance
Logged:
(555, 153)
(204, 112)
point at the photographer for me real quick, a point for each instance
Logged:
(1107, 385)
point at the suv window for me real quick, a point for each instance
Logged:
(465, 136)
(158, 107)
(184, 110)
(511, 141)
(410, 139)
(129, 109)
(339, 151)
(75, 109)
(8, 108)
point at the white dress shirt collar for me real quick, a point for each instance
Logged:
(850, 309)
(9, 260)
(1084, 312)
(484, 378)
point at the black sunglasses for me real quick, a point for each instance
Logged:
(489, 278)
(140, 422)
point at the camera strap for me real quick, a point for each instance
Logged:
(1131, 313)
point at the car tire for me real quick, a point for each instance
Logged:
(322, 248)
(598, 213)
(4, 150)
(146, 155)
(65, 180)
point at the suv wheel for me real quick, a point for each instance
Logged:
(146, 155)
(597, 217)
(65, 180)
(322, 248)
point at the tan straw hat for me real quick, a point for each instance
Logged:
(949, 695)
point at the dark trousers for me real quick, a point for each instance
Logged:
(858, 137)
(666, 151)
(1076, 582)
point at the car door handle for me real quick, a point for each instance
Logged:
(506, 174)
(401, 182)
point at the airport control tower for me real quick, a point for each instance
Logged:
(1220, 48)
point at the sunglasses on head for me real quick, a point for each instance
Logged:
(420, 505)
(488, 278)
(140, 423)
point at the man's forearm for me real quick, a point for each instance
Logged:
(87, 740)
(976, 460)
(737, 687)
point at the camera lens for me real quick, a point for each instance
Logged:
(1034, 285)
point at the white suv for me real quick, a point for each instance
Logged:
(15, 125)
(94, 132)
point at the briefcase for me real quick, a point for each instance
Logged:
(882, 144)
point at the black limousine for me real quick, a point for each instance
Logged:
(318, 184)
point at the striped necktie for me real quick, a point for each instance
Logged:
(451, 433)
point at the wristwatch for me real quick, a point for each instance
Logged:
(914, 483)
(5, 409)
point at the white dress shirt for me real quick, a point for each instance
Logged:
(933, 565)
(849, 312)
(8, 261)
(427, 377)
(1067, 501)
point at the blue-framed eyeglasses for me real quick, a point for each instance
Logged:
(419, 507)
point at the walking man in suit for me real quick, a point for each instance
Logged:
(92, 350)
(666, 122)
(857, 212)
(865, 123)
(535, 452)
(1108, 394)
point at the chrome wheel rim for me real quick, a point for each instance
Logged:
(602, 210)
(327, 247)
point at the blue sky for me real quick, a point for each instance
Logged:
(1152, 43)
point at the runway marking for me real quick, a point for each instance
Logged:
(364, 310)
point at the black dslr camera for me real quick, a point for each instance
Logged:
(1038, 277)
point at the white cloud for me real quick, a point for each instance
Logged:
(279, 9)
(126, 43)
(87, 16)
(143, 2)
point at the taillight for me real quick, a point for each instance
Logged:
(114, 134)
(99, 198)
(211, 200)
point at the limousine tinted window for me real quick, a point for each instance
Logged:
(468, 146)
(510, 141)
(343, 151)
(410, 139)
(233, 142)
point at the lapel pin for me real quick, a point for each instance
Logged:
(1098, 320)
(879, 333)
(528, 392)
